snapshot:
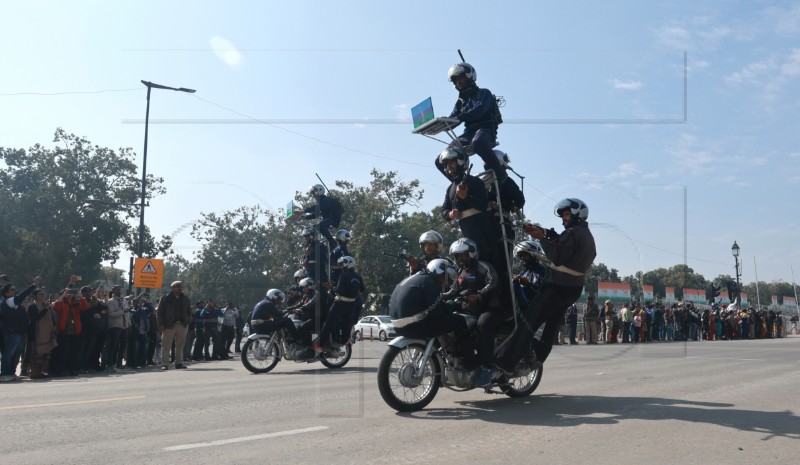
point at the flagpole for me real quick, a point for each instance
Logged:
(758, 295)
(796, 308)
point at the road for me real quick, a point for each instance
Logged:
(663, 403)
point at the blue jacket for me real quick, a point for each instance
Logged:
(477, 109)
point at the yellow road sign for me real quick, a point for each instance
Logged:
(148, 273)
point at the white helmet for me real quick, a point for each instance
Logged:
(301, 273)
(431, 236)
(343, 235)
(441, 266)
(452, 153)
(307, 282)
(347, 262)
(308, 231)
(579, 209)
(532, 248)
(276, 296)
(316, 190)
(464, 245)
(462, 68)
(502, 157)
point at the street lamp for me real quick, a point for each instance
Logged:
(150, 86)
(735, 251)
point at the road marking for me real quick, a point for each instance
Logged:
(75, 402)
(728, 358)
(246, 438)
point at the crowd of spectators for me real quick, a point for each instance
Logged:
(89, 330)
(655, 322)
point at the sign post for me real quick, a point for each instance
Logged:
(148, 273)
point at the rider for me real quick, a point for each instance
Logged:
(478, 284)
(295, 293)
(430, 243)
(267, 318)
(306, 310)
(511, 198)
(418, 310)
(466, 203)
(348, 288)
(327, 207)
(529, 281)
(571, 253)
(478, 109)
(340, 250)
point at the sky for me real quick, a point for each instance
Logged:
(676, 122)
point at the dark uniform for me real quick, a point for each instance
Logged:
(348, 289)
(267, 318)
(474, 223)
(330, 209)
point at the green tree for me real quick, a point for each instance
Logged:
(67, 209)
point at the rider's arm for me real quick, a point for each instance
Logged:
(490, 277)
(475, 108)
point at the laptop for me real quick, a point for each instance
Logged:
(426, 123)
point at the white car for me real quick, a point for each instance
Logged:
(375, 326)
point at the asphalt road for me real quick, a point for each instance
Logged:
(698, 402)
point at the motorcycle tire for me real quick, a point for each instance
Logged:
(338, 362)
(397, 384)
(255, 358)
(522, 386)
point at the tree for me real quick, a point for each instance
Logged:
(597, 273)
(67, 209)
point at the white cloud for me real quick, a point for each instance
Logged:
(752, 73)
(402, 112)
(794, 155)
(625, 85)
(624, 170)
(674, 37)
(689, 159)
(225, 51)
(771, 74)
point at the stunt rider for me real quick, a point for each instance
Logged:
(465, 202)
(340, 250)
(512, 200)
(348, 289)
(571, 253)
(430, 243)
(267, 318)
(295, 293)
(529, 281)
(478, 109)
(327, 207)
(478, 283)
(418, 310)
(306, 310)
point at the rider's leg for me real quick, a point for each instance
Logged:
(483, 143)
(324, 229)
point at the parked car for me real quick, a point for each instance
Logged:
(373, 326)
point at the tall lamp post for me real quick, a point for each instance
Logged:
(735, 252)
(150, 86)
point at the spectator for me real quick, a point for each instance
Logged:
(41, 336)
(15, 327)
(228, 333)
(66, 357)
(571, 316)
(590, 317)
(173, 320)
(116, 325)
(627, 318)
(199, 333)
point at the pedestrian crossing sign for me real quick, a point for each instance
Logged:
(148, 273)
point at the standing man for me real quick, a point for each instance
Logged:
(627, 319)
(173, 320)
(228, 333)
(590, 318)
(572, 324)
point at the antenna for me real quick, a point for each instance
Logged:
(462, 56)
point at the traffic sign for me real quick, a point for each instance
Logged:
(148, 273)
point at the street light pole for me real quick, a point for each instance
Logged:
(735, 251)
(150, 86)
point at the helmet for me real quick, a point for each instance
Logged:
(307, 282)
(451, 153)
(307, 231)
(579, 210)
(464, 245)
(441, 266)
(275, 296)
(347, 261)
(431, 236)
(316, 190)
(502, 157)
(462, 68)
(532, 248)
(343, 235)
(301, 273)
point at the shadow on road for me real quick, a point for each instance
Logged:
(567, 410)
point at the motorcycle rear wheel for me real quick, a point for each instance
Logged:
(522, 386)
(397, 384)
(256, 358)
(341, 360)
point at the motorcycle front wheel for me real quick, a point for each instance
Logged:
(257, 358)
(337, 358)
(522, 386)
(398, 384)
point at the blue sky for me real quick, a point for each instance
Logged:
(594, 91)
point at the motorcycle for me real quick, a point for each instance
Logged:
(412, 370)
(262, 352)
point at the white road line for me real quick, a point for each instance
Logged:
(74, 402)
(246, 438)
(727, 358)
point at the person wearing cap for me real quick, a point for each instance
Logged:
(173, 320)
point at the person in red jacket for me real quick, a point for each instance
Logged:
(68, 309)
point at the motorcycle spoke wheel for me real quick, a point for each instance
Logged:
(399, 386)
(337, 358)
(257, 357)
(522, 386)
